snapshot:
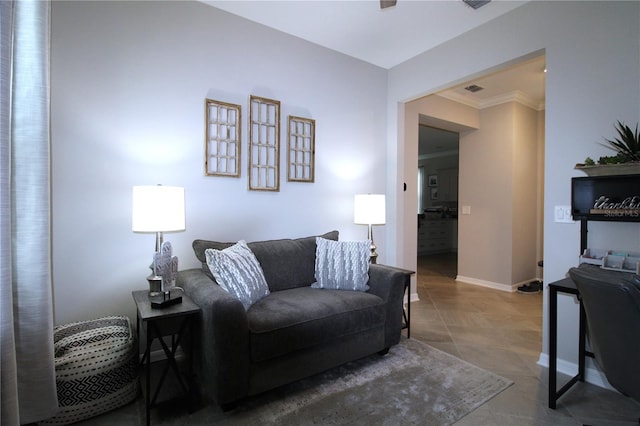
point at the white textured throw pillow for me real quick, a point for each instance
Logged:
(342, 265)
(237, 270)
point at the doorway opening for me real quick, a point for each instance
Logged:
(438, 160)
(500, 177)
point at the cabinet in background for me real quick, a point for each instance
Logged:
(437, 236)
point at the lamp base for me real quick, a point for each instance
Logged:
(374, 254)
(155, 285)
(159, 304)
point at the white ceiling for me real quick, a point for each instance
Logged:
(359, 28)
(386, 38)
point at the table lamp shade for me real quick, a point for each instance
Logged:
(369, 209)
(158, 208)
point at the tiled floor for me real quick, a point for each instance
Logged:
(502, 332)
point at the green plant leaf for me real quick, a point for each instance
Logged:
(627, 144)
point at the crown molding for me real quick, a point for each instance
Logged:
(515, 96)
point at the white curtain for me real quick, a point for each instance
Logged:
(28, 388)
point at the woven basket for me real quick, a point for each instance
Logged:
(96, 368)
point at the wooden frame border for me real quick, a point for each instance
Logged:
(301, 150)
(264, 144)
(223, 137)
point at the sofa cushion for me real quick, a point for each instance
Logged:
(294, 319)
(342, 265)
(286, 263)
(237, 270)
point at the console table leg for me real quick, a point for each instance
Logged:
(553, 345)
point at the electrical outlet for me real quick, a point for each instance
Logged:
(562, 214)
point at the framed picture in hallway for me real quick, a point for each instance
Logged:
(434, 193)
(432, 180)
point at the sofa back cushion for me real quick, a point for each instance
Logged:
(286, 263)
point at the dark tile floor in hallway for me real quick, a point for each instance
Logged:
(502, 332)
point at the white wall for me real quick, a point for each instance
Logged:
(524, 197)
(485, 250)
(593, 79)
(129, 80)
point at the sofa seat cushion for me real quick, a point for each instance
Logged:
(299, 318)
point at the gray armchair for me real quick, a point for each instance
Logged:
(612, 305)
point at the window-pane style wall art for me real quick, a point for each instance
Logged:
(301, 149)
(264, 144)
(222, 152)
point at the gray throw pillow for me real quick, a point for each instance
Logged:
(237, 270)
(342, 265)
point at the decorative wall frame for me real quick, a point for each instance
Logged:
(264, 144)
(434, 193)
(301, 149)
(432, 180)
(222, 138)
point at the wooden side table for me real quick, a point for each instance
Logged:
(172, 321)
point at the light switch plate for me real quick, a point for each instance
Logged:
(562, 214)
(466, 209)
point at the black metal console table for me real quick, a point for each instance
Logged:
(564, 286)
(596, 198)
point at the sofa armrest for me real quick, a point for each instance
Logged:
(387, 283)
(223, 354)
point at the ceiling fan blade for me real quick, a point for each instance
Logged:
(475, 3)
(387, 3)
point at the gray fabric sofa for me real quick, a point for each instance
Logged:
(294, 332)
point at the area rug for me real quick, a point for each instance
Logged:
(413, 384)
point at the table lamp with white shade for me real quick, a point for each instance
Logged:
(369, 209)
(157, 209)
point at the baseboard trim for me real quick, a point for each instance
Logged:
(592, 374)
(414, 298)
(482, 283)
(497, 286)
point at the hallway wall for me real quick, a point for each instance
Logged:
(499, 180)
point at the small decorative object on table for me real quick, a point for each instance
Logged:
(613, 260)
(166, 267)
